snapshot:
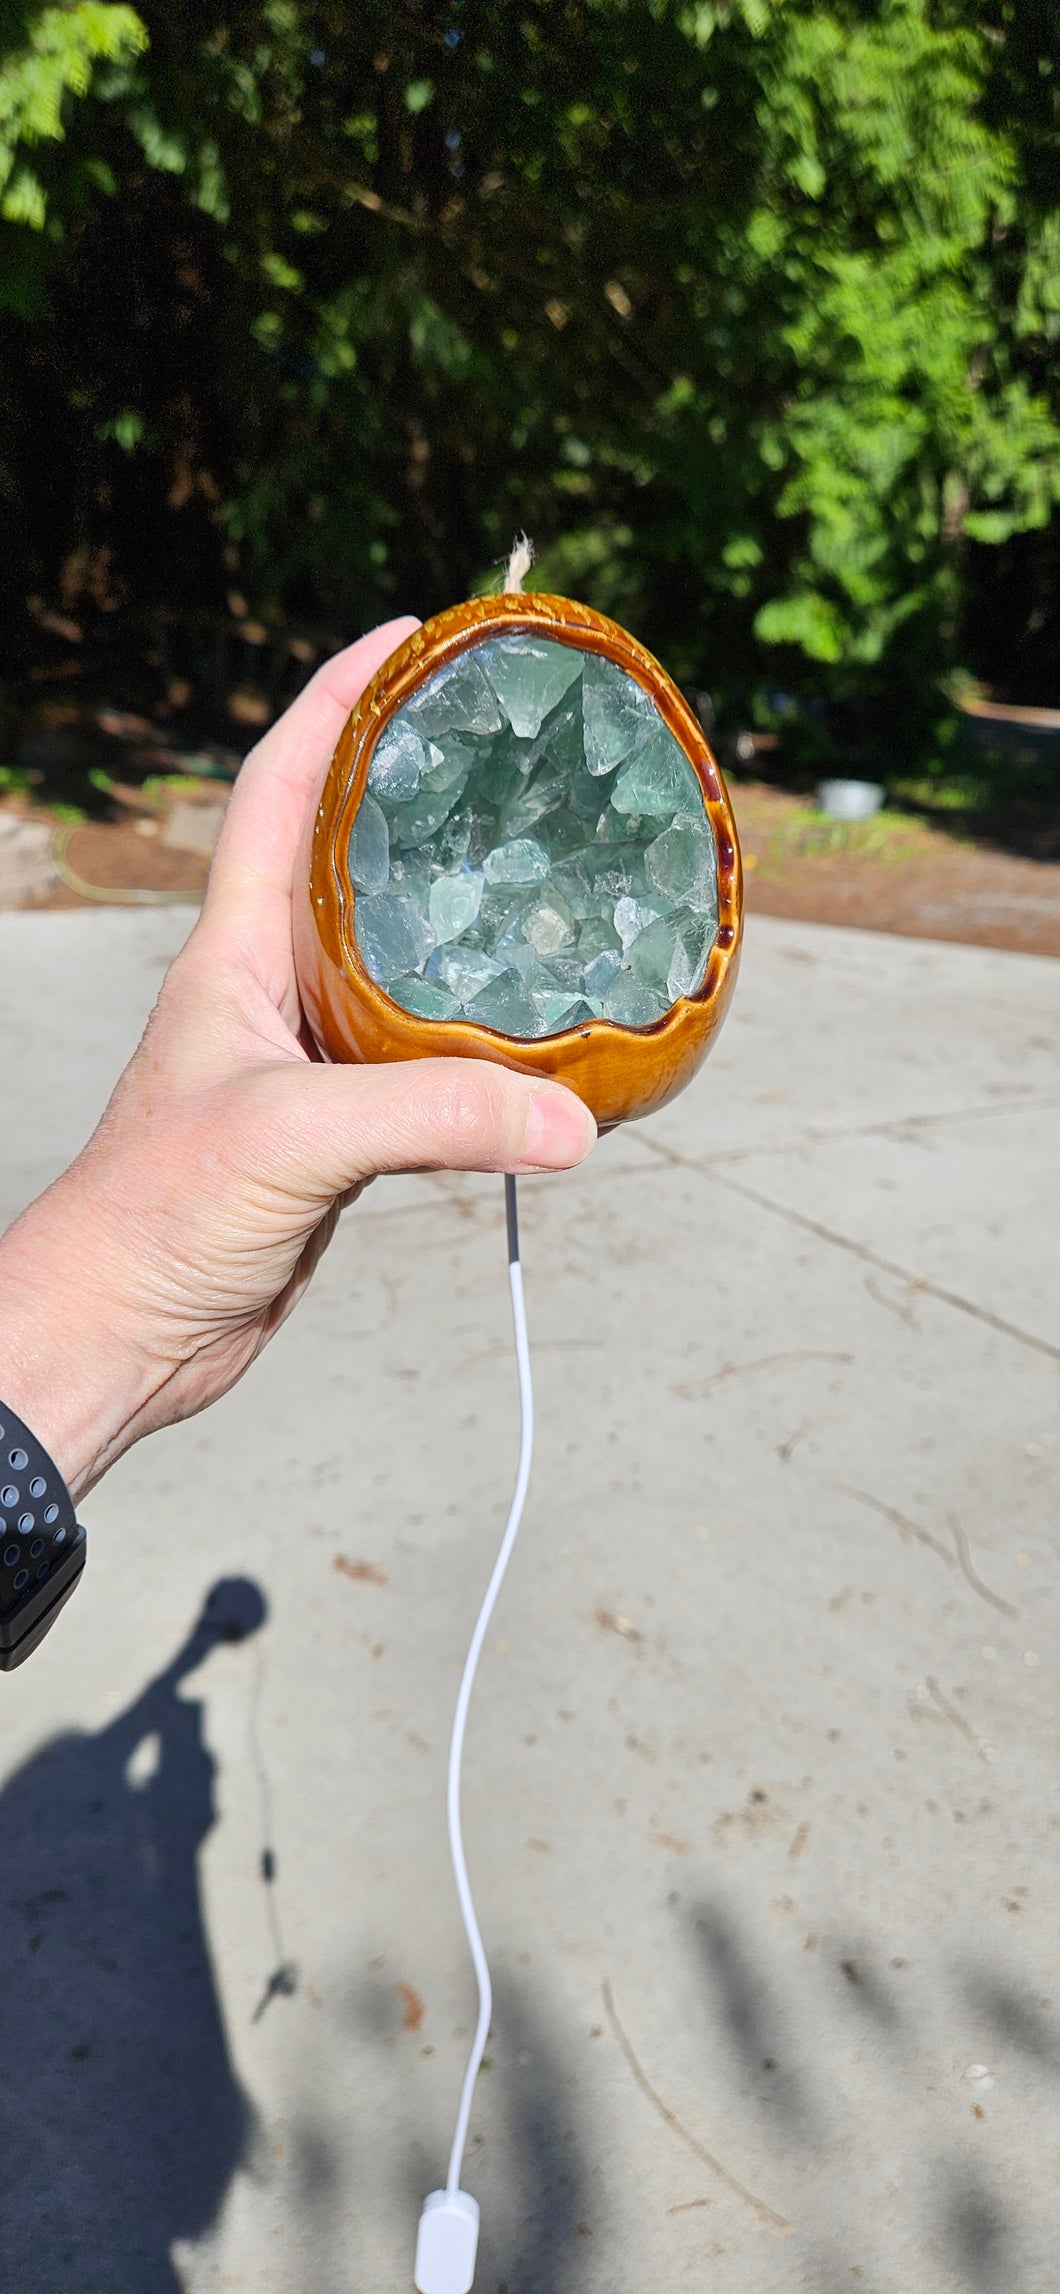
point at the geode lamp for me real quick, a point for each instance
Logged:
(524, 852)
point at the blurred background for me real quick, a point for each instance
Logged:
(747, 310)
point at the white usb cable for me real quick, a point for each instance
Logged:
(448, 2234)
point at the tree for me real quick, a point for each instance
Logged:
(746, 308)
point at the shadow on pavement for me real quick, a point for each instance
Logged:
(124, 2120)
(753, 2025)
(977, 2232)
(966, 2219)
(527, 2157)
(536, 2243)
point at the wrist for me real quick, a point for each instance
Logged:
(66, 1364)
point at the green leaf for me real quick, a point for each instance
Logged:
(160, 146)
(126, 429)
(281, 273)
(23, 200)
(809, 621)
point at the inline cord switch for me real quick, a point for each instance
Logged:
(447, 2243)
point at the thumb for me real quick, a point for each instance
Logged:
(332, 1127)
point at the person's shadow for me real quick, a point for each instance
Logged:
(122, 2118)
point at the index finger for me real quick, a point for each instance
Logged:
(255, 859)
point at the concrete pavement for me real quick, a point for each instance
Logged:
(762, 1806)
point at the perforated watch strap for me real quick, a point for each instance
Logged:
(42, 1545)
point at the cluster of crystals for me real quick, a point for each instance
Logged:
(532, 850)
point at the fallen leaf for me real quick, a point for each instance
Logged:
(613, 1624)
(412, 2004)
(362, 1572)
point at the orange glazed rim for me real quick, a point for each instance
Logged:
(370, 1025)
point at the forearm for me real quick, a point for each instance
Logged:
(66, 1366)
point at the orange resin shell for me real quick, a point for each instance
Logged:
(619, 1072)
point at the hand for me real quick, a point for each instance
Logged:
(143, 1283)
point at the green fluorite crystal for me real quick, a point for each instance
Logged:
(534, 851)
(398, 764)
(616, 712)
(528, 675)
(370, 848)
(454, 903)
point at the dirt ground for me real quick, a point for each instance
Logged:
(123, 857)
(892, 874)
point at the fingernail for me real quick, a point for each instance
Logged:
(559, 1130)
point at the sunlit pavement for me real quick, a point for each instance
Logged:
(761, 1803)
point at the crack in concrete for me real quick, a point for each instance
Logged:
(891, 1127)
(867, 1256)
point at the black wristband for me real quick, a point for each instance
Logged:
(42, 1545)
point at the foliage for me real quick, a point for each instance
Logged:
(747, 309)
(56, 58)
